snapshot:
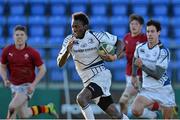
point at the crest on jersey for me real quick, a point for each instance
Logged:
(10, 54)
(126, 42)
(26, 56)
(76, 42)
(90, 41)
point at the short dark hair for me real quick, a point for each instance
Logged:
(82, 17)
(136, 17)
(21, 28)
(154, 23)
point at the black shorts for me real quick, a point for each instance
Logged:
(96, 91)
(104, 102)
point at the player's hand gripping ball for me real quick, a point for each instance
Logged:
(105, 48)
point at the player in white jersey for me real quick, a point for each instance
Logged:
(153, 58)
(83, 44)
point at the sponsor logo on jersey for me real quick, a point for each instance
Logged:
(85, 50)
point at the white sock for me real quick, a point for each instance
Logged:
(88, 113)
(125, 117)
(148, 114)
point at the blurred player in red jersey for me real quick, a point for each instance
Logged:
(131, 39)
(18, 62)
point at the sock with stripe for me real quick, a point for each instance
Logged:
(87, 112)
(36, 110)
(148, 114)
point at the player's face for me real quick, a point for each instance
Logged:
(135, 27)
(152, 34)
(20, 37)
(78, 29)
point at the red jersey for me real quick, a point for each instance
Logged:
(130, 46)
(21, 63)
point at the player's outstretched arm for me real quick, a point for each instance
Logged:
(62, 58)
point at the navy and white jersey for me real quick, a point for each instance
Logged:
(84, 53)
(152, 57)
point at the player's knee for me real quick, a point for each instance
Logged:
(78, 99)
(12, 108)
(136, 112)
(81, 100)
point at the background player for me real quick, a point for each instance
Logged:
(131, 39)
(19, 61)
(153, 58)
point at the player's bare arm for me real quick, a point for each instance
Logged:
(3, 72)
(134, 79)
(120, 47)
(39, 76)
(62, 57)
(109, 57)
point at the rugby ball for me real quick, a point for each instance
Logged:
(105, 48)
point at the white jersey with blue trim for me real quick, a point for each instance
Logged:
(152, 57)
(84, 52)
